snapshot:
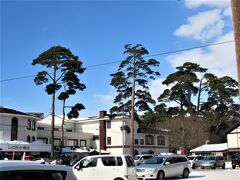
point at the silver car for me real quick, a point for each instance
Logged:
(160, 167)
(195, 160)
(213, 162)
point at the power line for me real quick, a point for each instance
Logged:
(152, 55)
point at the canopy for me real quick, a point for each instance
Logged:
(211, 148)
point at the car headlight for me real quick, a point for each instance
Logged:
(150, 170)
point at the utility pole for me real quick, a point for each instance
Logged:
(236, 24)
(132, 111)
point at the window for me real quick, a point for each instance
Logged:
(72, 142)
(130, 162)
(34, 125)
(68, 130)
(136, 141)
(109, 140)
(161, 140)
(141, 141)
(83, 143)
(88, 162)
(57, 142)
(28, 138)
(14, 129)
(108, 124)
(33, 138)
(109, 161)
(34, 174)
(56, 129)
(40, 128)
(29, 124)
(119, 161)
(44, 140)
(149, 140)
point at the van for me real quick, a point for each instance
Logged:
(17, 169)
(161, 167)
(107, 167)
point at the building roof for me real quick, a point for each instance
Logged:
(211, 148)
(11, 111)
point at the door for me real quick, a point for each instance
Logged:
(86, 169)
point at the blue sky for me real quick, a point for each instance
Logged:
(97, 31)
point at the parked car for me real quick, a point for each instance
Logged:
(213, 162)
(195, 160)
(64, 160)
(17, 169)
(106, 167)
(236, 161)
(139, 159)
(160, 167)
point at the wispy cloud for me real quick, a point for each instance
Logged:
(208, 3)
(220, 60)
(202, 26)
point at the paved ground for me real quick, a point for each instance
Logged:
(214, 174)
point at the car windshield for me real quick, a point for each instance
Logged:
(154, 160)
(210, 158)
(190, 157)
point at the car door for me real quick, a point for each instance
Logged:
(87, 168)
(168, 167)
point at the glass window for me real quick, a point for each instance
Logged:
(14, 129)
(119, 161)
(109, 140)
(109, 161)
(141, 141)
(34, 125)
(33, 174)
(40, 128)
(108, 124)
(88, 162)
(161, 140)
(72, 142)
(130, 161)
(44, 140)
(28, 138)
(83, 143)
(33, 138)
(57, 142)
(136, 141)
(149, 140)
(29, 124)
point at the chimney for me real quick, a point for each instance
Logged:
(102, 114)
(102, 130)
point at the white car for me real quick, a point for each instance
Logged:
(105, 167)
(160, 167)
(195, 160)
(32, 170)
(139, 159)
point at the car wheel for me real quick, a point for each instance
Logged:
(233, 167)
(160, 175)
(202, 167)
(185, 173)
(223, 166)
(193, 166)
(214, 166)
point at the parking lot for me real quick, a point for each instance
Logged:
(215, 174)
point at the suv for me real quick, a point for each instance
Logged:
(33, 170)
(107, 167)
(195, 161)
(213, 162)
(236, 161)
(160, 167)
(138, 159)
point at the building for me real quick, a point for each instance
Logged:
(110, 135)
(233, 138)
(101, 132)
(18, 133)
